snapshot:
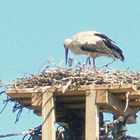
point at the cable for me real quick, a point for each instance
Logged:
(34, 131)
(16, 134)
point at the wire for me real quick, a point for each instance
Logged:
(31, 132)
(16, 134)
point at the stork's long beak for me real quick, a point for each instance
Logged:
(66, 54)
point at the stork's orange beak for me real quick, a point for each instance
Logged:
(66, 54)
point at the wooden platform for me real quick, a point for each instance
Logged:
(121, 100)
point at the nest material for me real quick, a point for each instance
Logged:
(58, 77)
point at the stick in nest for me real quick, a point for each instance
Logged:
(67, 86)
(127, 100)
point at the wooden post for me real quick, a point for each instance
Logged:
(92, 117)
(48, 114)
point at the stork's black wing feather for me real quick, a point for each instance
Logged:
(103, 36)
(110, 44)
(89, 48)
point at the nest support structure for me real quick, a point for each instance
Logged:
(79, 105)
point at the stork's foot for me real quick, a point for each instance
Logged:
(89, 67)
(83, 67)
(95, 70)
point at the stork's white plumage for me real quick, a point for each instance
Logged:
(93, 44)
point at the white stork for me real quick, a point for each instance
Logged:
(93, 44)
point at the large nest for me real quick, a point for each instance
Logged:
(57, 77)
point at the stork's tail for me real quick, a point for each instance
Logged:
(117, 52)
(122, 57)
(118, 55)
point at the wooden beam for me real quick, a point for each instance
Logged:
(92, 116)
(22, 90)
(19, 95)
(118, 106)
(115, 88)
(110, 102)
(33, 107)
(37, 99)
(37, 112)
(29, 90)
(48, 114)
(25, 101)
(70, 99)
(71, 92)
(134, 103)
(133, 95)
(112, 87)
(74, 106)
(101, 97)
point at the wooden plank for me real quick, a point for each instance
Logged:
(33, 107)
(70, 99)
(108, 99)
(134, 103)
(118, 105)
(23, 90)
(116, 88)
(101, 97)
(122, 97)
(92, 117)
(74, 106)
(133, 95)
(110, 102)
(71, 92)
(36, 99)
(20, 95)
(118, 109)
(80, 90)
(37, 112)
(24, 101)
(48, 114)
(29, 90)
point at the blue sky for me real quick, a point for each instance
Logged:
(32, 31)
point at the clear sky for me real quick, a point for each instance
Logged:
(32, 31)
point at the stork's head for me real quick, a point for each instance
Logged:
(67, 44)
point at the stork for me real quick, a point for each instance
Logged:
(93, 44)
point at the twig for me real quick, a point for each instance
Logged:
(67, 86)
(127, 101)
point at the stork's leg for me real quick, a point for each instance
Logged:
(88, 62)
(94, 66)
(94, 63)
